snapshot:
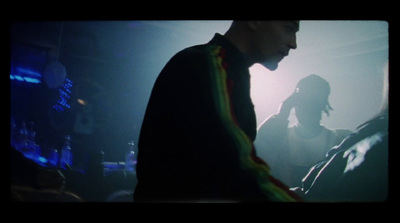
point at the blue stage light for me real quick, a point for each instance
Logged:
(31, 80)
(64, 96)
(28, 72)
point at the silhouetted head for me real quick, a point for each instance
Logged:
(264, 42)
(314, 91)
(312, 98)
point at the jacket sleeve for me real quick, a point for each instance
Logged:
(253, 169)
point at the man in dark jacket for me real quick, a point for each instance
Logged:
(196, 140)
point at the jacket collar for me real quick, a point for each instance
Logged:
(233, 52)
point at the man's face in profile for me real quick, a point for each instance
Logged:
(274, 40)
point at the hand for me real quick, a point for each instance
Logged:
(287, 105)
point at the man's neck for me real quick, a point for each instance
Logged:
(239, 40)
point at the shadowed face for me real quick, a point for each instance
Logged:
(312, 100)
(309, 112)
(273, 41)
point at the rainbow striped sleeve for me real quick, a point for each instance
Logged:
(221, 87)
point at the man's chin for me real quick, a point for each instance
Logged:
(270, 65)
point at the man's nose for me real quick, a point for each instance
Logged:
(293, 43)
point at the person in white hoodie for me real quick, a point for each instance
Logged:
(291, 150)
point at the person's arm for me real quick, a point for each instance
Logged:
(252, 169)
(287, 105)
(275, 126)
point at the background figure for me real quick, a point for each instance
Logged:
(196, 140)
(357, 169)
(292, 150)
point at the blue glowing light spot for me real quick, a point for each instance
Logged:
(32, 80)
(29, 72)
(24, 79)
(58, 108)
(17, 77)
(63, 96)
(42, 159)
